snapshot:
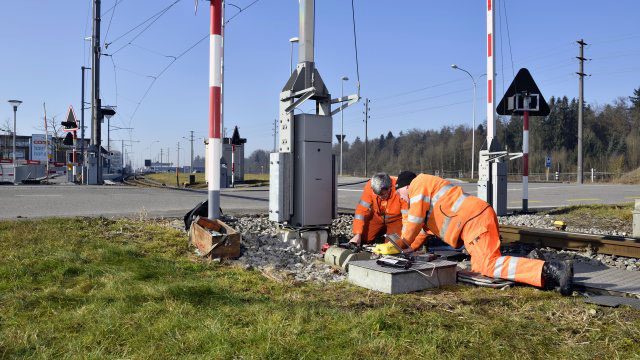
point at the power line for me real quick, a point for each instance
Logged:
(111, 8)
(240, 11)
(110, 20)
(355, 44)
(418, 90)
(506, 21)
(153, 18)
(424, 109)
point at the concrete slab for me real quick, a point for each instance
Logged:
(368, 274)
(607, 280)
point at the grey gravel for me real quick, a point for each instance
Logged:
(263, 251)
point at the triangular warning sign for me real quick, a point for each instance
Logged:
(71, 124)
(236, 139)
(523, 86)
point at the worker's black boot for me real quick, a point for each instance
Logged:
(558, 275)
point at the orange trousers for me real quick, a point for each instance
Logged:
(376, 226)
(481, 238)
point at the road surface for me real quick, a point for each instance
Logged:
(73, 200)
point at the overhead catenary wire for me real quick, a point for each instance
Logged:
(106, 35)
(355, 43)
(153, 18)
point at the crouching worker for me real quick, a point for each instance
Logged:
(378, 211)
(460, 219)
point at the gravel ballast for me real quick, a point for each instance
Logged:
(263, 251)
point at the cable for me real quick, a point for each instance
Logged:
(424, 109)
(111, 8)
(153, 18)
(240, 10)
(419, 89)
(506, 21)
(426, 98)
(115, 78)
(355, 43)
(110, 20)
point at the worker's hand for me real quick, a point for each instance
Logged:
(356, 239)
(385, 249)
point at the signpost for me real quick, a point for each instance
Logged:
(71, 126)
(524, 97)
(547, 165)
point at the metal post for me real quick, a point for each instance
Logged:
(473, 129)
(122, 158)
(233, 165)
(82, 126)
(214, 148)
(580, 106)
(95, 91)
(366, 137)
(191, 164)
(525, 162)
(178, 166)
(109, 146)
(341, 122)
(15, 110)
(46, 141)
(275, 134)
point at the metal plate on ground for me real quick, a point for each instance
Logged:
(475, 278)
(606, 280)
(613, 301)
(368, 274)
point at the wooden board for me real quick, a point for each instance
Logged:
(225, 245)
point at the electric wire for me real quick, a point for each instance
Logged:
(153, 18)
(355, 43)
(111, 8)
(240, 10)
(506, 21)
(106, 35)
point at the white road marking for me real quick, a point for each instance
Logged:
(48, 195)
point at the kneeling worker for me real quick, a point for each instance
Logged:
(458, 218)
(378, 210)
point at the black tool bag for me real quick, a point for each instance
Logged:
(201, 209)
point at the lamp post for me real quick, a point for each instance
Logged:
(473, 130)
(342, 80)
(292, 40)
(15, 104)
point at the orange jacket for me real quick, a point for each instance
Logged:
(444, 209)
(371, 205)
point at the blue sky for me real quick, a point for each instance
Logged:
(405, 52)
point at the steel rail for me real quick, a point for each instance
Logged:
(602, 244)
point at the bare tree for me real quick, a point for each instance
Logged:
(57, 134)
(7, 128)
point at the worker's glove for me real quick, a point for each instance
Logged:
(385, 249)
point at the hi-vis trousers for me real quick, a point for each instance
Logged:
(482, 240)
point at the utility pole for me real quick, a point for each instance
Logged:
(160, 158)
(275, 133)
(83, 68)
(46, 141)
(95, 92)
(580, 106)
(177, 166)
(366, 136)
(191, 164)
(214, 150)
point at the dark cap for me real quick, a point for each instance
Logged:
(405, 178)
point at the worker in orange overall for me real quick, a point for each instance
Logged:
(461, 219)
(379, 210)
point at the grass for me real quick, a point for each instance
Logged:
(170, 179)
(99, 288)
(620, 212)
(632, 177)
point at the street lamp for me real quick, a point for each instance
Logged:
(473, 130)
(108, 112)
(15, 104)
(342, 80)
(292, 40)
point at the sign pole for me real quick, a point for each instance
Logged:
(525, 162)
(46, 141)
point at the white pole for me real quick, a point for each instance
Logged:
(341, 121)
(491, 63)
(215, 82)
(473, 131)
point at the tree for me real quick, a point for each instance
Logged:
(635, 98)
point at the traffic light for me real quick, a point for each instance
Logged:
(68, 140)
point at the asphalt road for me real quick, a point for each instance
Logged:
(72, 200)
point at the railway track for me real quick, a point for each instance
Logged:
(603, 244)
(135, 181)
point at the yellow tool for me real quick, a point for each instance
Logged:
(560, 225)
(385, 249)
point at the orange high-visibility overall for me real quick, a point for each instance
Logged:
(374, 215)
(458, 218)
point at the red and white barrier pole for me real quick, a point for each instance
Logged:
(525, 162)
(215, 102)
(491, 63)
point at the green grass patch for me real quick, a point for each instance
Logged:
(99, 288)
(170, 178)
(620, 212)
